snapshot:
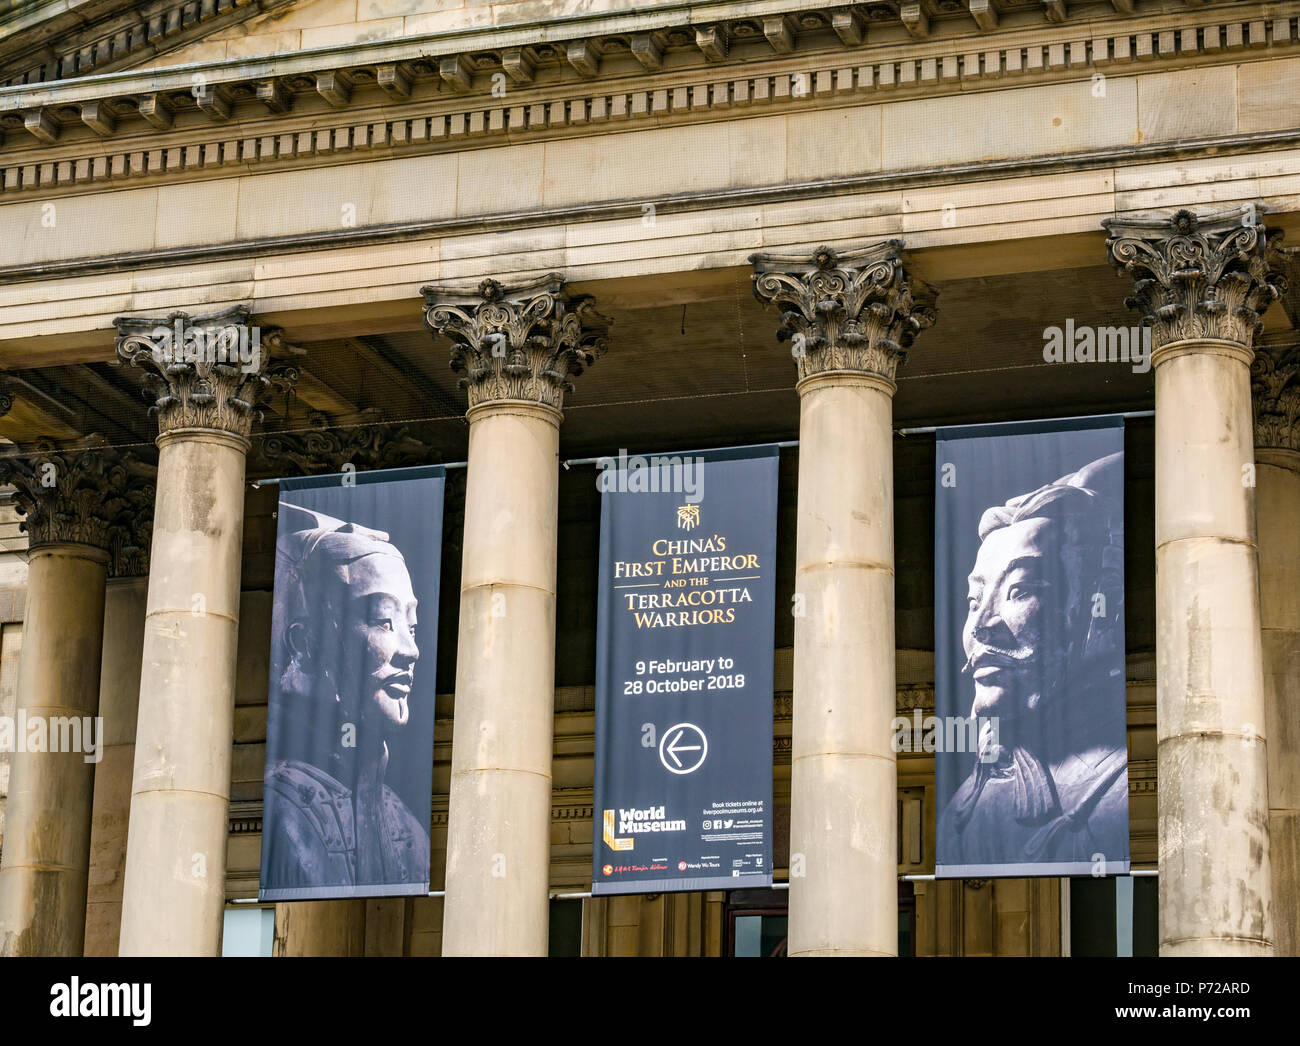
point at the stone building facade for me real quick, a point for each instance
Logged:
(369, 189)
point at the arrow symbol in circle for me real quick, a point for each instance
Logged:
(674, 747)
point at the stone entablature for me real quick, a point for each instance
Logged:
(208, 116)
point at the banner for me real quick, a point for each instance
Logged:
(1031, 757)
(349, 744)
(683, 791)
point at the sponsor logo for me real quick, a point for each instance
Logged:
(607, 870)
(613, 842)
(651, 819)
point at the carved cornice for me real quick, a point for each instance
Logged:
(208, 371)
(1275, 393)
(524, 343)
(858, 311)
(84, 493)
(115, 34)
(1207, 277)
(327, 444)
(448, 88)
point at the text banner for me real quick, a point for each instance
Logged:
(684, 672)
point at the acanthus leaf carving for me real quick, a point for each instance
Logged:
(1207, 277)
(524, 343)
(85, 493)
(209, 371)
(329, 443)
(858, 311)
(1275, 392)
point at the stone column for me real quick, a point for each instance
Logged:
(850, 319)
(1201, 285)
(317, 928)
(73, 501)
(517, 349)
(1276, 389)
(208, 373)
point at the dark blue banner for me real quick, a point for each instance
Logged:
(1029, 736)
(349, 743)
(683, 791)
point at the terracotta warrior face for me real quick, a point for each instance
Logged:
(1015, 632)
(378, 638)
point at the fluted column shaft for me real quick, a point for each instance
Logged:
(850, 319)
(518, 349)
(1202, 284)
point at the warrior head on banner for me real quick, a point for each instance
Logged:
(1043, 632)
(343, 658)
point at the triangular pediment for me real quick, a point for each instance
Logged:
(306, 25)
(42, 41)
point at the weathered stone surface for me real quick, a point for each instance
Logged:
(1275, 390)
(327, 444)
(85, 493)
(856, 312)
(1203, 285)
(851, 319)
(208, 371)
(1277, 503)
(47, 823)
(174, 892)
(1199, 277)
(119, 698)
(525, 343)
(498, 834)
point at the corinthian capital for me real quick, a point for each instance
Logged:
(205, 372)
(525, 343)
(83, 493)
(1275, 392)
(1208, 277)
(855, 312)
